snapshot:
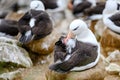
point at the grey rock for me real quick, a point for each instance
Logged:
(11, 52)
(10, 75)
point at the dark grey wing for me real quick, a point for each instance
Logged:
(115, 19)
(25, 19)
(43, 26)
(81, 7)
(98, 9)
(67, 65)
(23, 23)
(50, 4)
(8, 27)
(23, 27)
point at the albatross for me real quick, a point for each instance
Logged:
(78, 51)
(80, 5)
(35, 24)
(8, 27)
(111, 15)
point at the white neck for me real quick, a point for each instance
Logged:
(70, 44)
(87, 36)
(37, 9)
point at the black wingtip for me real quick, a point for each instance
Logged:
(56, 68)
(24, 39)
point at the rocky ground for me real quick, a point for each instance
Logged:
(99, 72)
(36, 67)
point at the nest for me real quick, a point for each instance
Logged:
(109, 42)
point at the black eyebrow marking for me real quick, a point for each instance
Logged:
(76, 28)
(118, 6)
(37, 5)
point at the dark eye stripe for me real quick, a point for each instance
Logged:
(76, 28)
(37, 5)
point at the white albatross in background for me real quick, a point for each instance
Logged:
(111, 15)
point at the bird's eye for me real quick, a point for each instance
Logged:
(75, 28)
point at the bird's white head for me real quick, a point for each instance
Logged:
(79, 30)
(37, 5)
(110, 7)
(77, 26)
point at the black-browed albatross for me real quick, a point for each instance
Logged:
(76, 54)
(111, 16)
(35, 24)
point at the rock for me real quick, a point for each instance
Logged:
(113, 68)
(109, 42)
(44, 45)
(11, 54)
(10, 75)
(39, 71)
(9, 6)
(35, 73)
(42, 72)
(96, 73)
(6, 5)
(14, 16)
(51, 75)
(112, 77)
(113, 56)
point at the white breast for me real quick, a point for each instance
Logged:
(70, 44)
(32, 22)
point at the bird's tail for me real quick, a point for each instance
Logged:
(56, 67)
(27, 37)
